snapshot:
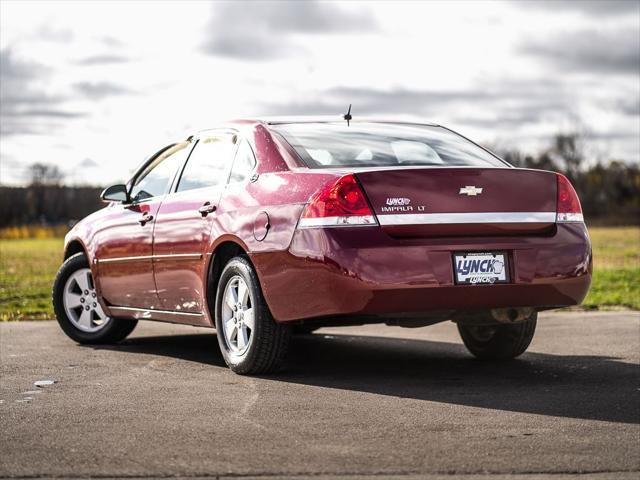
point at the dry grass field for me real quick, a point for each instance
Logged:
(616, 268)
(27, 270)
(28, 266)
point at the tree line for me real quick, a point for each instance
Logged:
(46, 204)
(609, 191)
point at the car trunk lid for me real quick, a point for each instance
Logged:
(461, 201)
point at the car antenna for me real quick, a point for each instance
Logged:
(347, 116)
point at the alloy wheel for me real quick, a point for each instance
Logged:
(237, 315)
(81, 303)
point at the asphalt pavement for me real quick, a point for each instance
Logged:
(370, 401)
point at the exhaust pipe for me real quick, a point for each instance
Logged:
(512, 315)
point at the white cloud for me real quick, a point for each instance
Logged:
(113, 81)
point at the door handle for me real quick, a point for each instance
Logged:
(206, 209)
(145, 218)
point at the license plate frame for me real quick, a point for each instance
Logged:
(480, 277)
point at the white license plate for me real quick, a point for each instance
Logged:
(480, 268)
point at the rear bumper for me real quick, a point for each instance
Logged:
(364, 271)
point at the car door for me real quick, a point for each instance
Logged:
(124, 238)
(184, 223)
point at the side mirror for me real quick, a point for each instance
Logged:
(115, 193)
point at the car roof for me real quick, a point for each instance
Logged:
(283, 120)
(335, 119)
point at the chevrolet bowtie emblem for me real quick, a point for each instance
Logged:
(470, 191)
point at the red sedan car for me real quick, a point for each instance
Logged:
(263, 228)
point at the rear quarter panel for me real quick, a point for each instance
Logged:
(272, 202)
(261, 215)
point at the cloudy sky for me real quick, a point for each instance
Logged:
(95, 87)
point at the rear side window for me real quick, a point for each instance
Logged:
(208, 163)
(243, 164)
(382, 145)
(155, 179)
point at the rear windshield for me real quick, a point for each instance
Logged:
(325, 145)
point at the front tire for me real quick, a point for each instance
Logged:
(250, 340)
(75, 303)
(498, 342)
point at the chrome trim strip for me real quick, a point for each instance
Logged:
(178, 256)
(173, 316)
(151, 312)
(175, 256)
(351, 221)
(124, 259)
(570, 218)
(448, 218)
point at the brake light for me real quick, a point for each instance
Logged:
(568, 208)
(339, 203)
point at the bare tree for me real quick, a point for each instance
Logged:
(45, 174)
(569, 149)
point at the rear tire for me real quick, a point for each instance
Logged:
(304, 329)
(250, 340)
(84, 322)
(498, 342)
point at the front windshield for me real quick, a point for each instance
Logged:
(325, 145)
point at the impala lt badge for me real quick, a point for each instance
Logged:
(470, 191)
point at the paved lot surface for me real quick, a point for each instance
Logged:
(356, 401)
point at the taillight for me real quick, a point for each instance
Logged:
(339, 203)
(568, 208)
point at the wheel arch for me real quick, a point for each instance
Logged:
(220, 256)
(74, 246)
